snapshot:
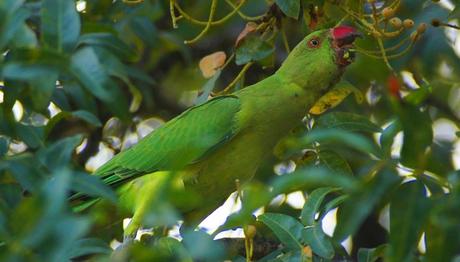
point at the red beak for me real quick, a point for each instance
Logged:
(344, 35)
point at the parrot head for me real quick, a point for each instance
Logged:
(321, 57)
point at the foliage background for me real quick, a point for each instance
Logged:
(82, 80)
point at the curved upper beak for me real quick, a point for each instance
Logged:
(344, 35)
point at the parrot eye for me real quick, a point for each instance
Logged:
(314, 43)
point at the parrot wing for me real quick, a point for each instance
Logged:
(181, 141)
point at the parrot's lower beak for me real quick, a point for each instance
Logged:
(342, 40)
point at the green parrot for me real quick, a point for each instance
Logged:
(210, 146)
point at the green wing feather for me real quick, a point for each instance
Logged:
(181, 141)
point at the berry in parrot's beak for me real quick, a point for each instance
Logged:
(342, 40)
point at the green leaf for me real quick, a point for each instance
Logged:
(92, 186)
(4, 145)
(290, 8)
(287, 229)
(360, 204)
(202, 247)
(388, 135)
(334, 162)
(418, 135)
(329, 136)
(12, 19)
(24, 38)
(110, 42)
(89, 246)
(87, 68)
(314, 201)
(408, 211)
(311, 178)
(60, 26)
(371, 254)
(58, 154)
(346, 121)
(87, 116)
(318, 241)
(207, 88)
(252, 48)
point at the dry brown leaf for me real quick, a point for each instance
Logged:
(250, 27)
(210, 63)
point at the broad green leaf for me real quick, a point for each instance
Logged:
(313, 204)
(92, 186)
(346, 121)
(24, 38)
(252, 48)
(11, 21)
(207, 88)
(408, 211)
(60, 26)
(318, 241)
(330, 136)
(109, 42)
(360, 204)
(334, 162)
(88, 117)
(201, 246)
(418, 135)
(332, 204)
(89, 71)
(58, 154)
(290, 8)
(388, 135)
(287, 229)
(311, 178)
(89, 246)
(371, 254)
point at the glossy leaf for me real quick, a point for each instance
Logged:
(318, 241)
(287, 229)
(313, 204)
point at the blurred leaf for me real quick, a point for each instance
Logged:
(60, 26)
(290, 8)
(388, 135)
(12, 19)
(360, 204)
(334, 162)
(24, 38)
(371, 254)
(58, 154)
(313, 204)
(418, 135)
(287, 229)
(88, 246)
(87, 68)
(202, 247)
(110, 42)
(330, 136)
(92, 186)
(346, 121)
(252, 48)
(310, 178)
(408, 211)
(319, 242)
(207, 88)
(4, 144)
